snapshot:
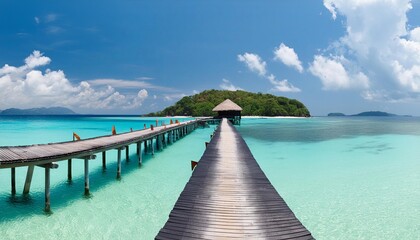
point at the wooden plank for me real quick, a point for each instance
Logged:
(229, 197)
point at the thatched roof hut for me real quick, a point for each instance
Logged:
(230, 110)
(227, 105)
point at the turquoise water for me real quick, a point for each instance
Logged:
(345, 178)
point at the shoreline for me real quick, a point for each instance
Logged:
(258, 117)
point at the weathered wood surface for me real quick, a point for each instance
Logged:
(229, 197)
(17, 156)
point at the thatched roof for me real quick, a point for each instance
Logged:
(227, 105)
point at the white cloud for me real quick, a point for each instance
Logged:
(334, 76)
(37, 21)
(173, 96)
(254, 63)
(330, 6)
(415, 34)
(282, 86)
(26, 87)
(127, 84)
(227, 85)
(36, 59)
(378, 40)
(288, 57)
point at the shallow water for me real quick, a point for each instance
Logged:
(345, 178)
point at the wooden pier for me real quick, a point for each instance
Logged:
(47, 155)
(229, 197)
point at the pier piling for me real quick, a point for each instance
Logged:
(119, 164)
(86, 176)
(104, 160)
(28, 180)
(13, 180)
(69, 169)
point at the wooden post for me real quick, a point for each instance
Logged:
(28, 180)
(127, 153)
(47, 168)
(13, 180)
(146, 150)
(47, 190)
(103, 160)
(119, 164)
(139, 152)
(86, 176)
(69, 174)
(151, 144)
(157, 143)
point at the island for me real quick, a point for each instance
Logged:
(367, 114)
(38, 111)
(253, 104)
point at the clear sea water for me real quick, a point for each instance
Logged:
(345, 178)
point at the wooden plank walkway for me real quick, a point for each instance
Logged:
(229, 197)
(17, 156)
(46, 155)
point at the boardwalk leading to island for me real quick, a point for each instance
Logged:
(229, 197)
(48, 155)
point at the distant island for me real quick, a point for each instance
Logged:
(366, 114)
(253, 104)
(38, 111)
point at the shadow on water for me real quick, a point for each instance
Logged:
(64, 193)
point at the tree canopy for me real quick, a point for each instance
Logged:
(253, 104)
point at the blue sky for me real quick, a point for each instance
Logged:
(135, 57)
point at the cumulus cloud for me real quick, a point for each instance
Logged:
(227, 85)
(36, 59)
(288, 57)
(257, 65)
(254, 63)
(334, 76)
(378, 40)
(281, 86)
(26, 86)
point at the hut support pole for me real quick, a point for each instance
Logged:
(13, 180)
(28, 179)
(69, 174)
